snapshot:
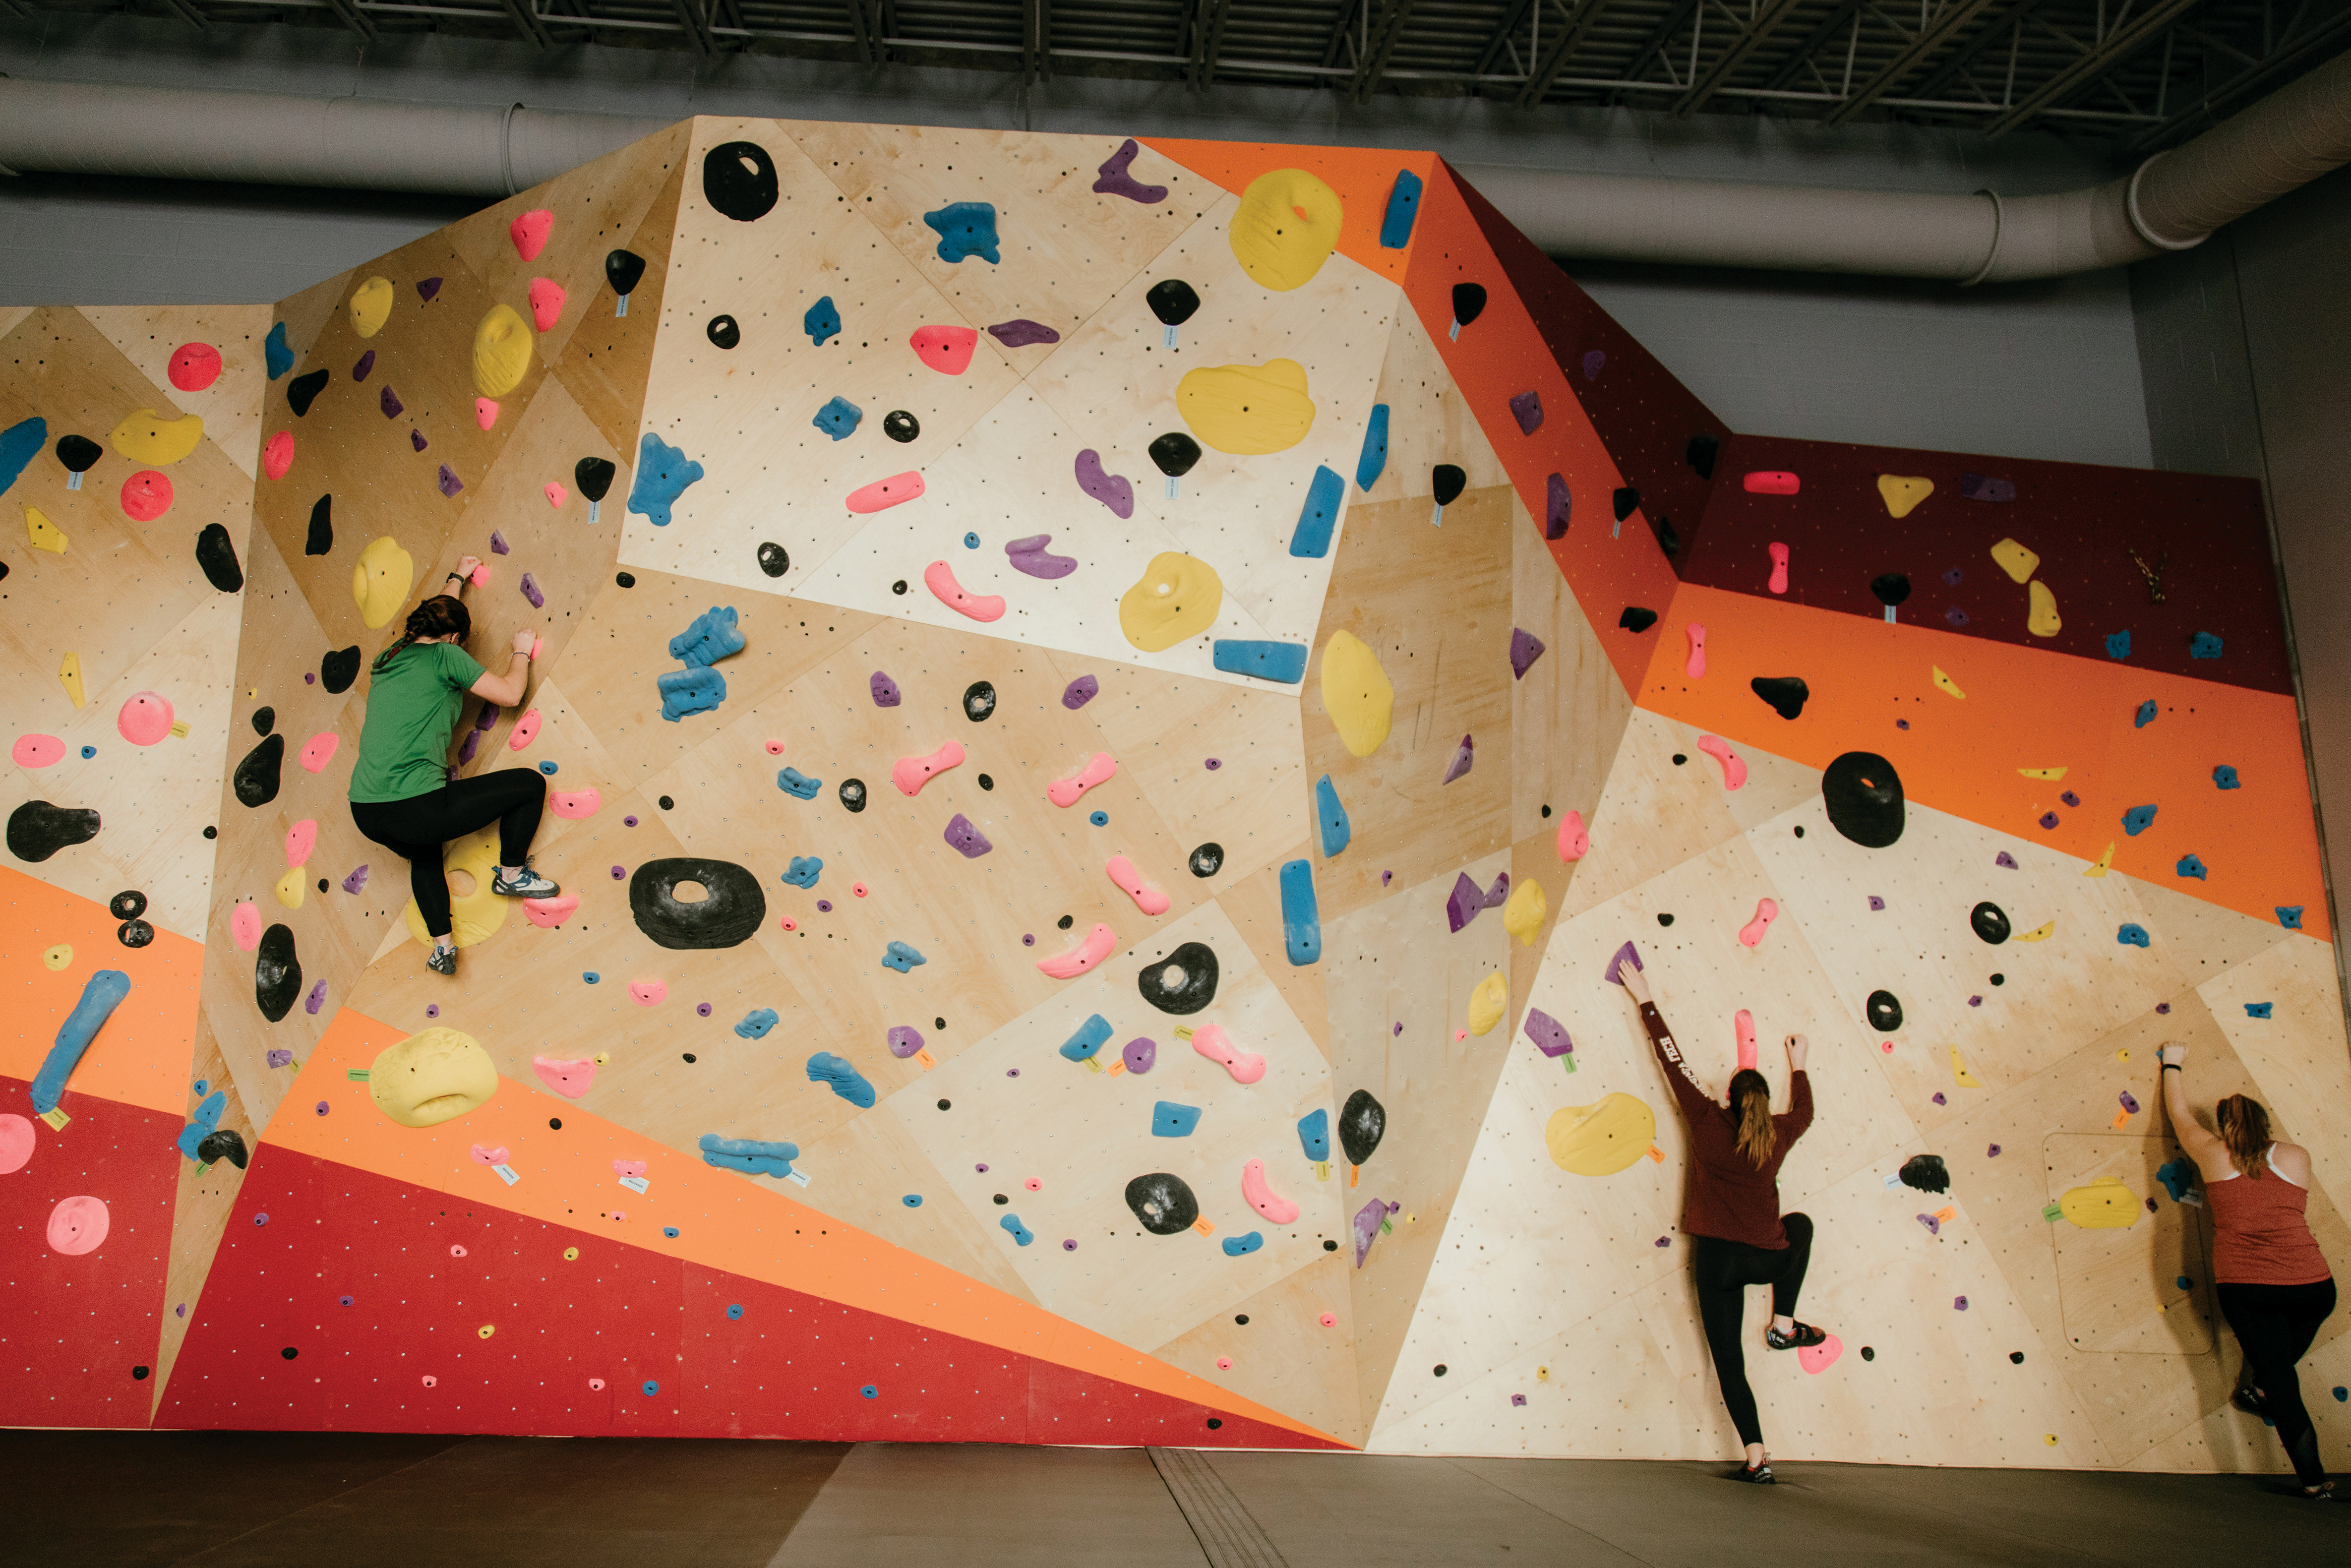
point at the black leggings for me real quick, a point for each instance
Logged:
(1723, 1270)
(2276, 1324)
(416, 828)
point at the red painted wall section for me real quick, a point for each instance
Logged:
(2206, 537)
(375, 1285)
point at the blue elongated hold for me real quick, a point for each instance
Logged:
(2225, 777)
(1310, 539)
(750, 1157)
(2190, 867)
(1091, 1036)
(1021, 1233)
(965, 229)
(902, 958)
(663, 474)
(2290, 916)
(1169, 1119)
(710, 637)
(2118, 645)
(838, 418)
(757, 1023)
(208, 1115)
(1336, 830)
(1301, 923)
(821, 321)
(2178, 1178)
(2146, 715)
(1373, 460)
(2204, 645)
(19, 446)
(1242, 1246)
(1314, 1135)
(795, 783)
(806, 869)
(100, 996)
(1549, 1034)
(1281, 662)
(2138, 820)
(2258, 1009)
(824, 1066)
(1404, 206)
(690, 691)
(275, 353)
(2132, 934)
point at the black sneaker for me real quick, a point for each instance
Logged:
(442, 960)
(1759, 1475)
(527, 884)
(1804, 1335)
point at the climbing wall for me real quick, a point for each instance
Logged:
(1105, 705)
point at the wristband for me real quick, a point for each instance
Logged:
(2171, 1067)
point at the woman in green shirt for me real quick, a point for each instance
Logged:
(402, 796)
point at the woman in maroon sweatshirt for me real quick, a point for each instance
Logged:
(1731, 1210)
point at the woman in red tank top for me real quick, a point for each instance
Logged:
(2272, 1281)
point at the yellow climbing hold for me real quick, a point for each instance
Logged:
(2105, 1205)
(1488, 1002)
(1522, 916)
(475, 916)
(1247, 409)
(1356, 693)
(432, 1077)
(2041, 933)
(57, 957)
(1903, 495)
(1944, 683)
(290, 886)
(1286, 228)
(2105, 863)
(501, 351)
(381, 581)
(2051, 774)
(147, 436)
(1177, 597)
(2016, 561)
(69, 672)
(371, 306)
(1959, 1071)
(44, 533)
(1600, 1140)
(2041, 620)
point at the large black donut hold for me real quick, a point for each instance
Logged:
(1197, 960)
(739, 179)
(1163, 1201)
(725, 919)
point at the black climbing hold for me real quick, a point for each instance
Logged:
(774, 559)
(938, 1023)
(1668, 540)
(38, 830)
(264, 719)
(1449, 481)
(1800, 830)
(726, 915)
(625, 580)
(667, 804)
(289, 1352)
(978, 701)
(1191, 985)
(1208, 859)
(322, 540)
(947, 1104)
(1439, 1369)
(1681, 758)
(623, 269)
(212, 832)
(216, 555)
(1884, 1009)
(898, 587)
(1215, 1422)
(255, 779)
(77, 453)
(1991, 923)
(128, 904)
(2017, 1356)
(2000, 980)
(1786, 694)
(1891, 589)
(1172, 300)
(1469, 302)
(1701, 455)
(739, 179)
(1066, 921)
(303, 391)
(1163, 1202)
(1927, 1173)
(852, 794)
(986, 783)
(134, 934)
(1002, 1199)
(686, 1057)
(1867, 1354)
(1863, 796)
(900, 426)
(556, 1122)
(322, 885)
(1363, 1122)
(1627, 501)
(1665, 920)
(723, 331)
(276, 973)
(1329, 1245)
(139, 1374)
(339, 667)
(221, 1144)
(1546, 812)
(1242, 1318)
(1173, 453)
(593, 476)
(1636, 620)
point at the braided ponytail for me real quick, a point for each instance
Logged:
(443, 615)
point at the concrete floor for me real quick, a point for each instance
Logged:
(95, 1499)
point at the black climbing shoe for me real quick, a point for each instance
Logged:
(442, 960)
(1759, 1475)
(1806, 1334)
(528, 883)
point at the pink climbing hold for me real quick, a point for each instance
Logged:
(36, 750)
(245, 926)
(16, 1141)
(1211, 1042)
(278, 454)
(1818, 1358)
(545, 303)
(145, 719)
(912, 773)
(569, 1078)
(526, 730)
(575, 802)
(529, 233)
(496, 1156)
(649, 992)
(194, 366)
(320, 751)
(1463, 756)
(887, 492)
(1766, 911)
(549, 912)
(1148, 899)
(1743, 1023)
(1112, 490)
(300, 840)
(1100, 769)
(555, 495)
(947, 349)
(1262, 1195)
(1734, 767)
(485, 412)
(940, 579)
(1696, 668)
(146, 495)
(1099, 943)
(480, 576)
(1779, 583)
(79, 1225)
(1574, 839)
(1772, 482)
(630, 1169)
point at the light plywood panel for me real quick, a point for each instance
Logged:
(1284, 1356)
(608, 356)
(149, 335)
(1429, 423)
(2300, 1068)
(2118, 1288)
(1569, 711)
(1253, 904)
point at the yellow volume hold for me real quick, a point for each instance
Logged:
(1959, 1071)
(147, 436)
(1522, 916)
(2015, 559)
(2041, 933)
(2041, 619)
(1177, 597)
(502, 351)
(1247, 410)
(2104, 1204)
(1903, 494)
(69, 672)
(2103, 863)
(1490, 1002)
(381, 581)
(1945, 684)
(1285, 228)
(43, 534)
(1356, 693)
(1600, 1140)
(371, 306)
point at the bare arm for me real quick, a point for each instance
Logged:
(2209, 1153)
(506, 690)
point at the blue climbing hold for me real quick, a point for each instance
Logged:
(838, 418)
(689, 691)
(1021, 1233)
(2258, 1009)
(757, 1023)
(871, 1392)
(1336, 830)
(806, 869)
(2225, 777)
(1281, 662)
(1301, 923)
(274, 353)
(202, 1085)
(2118, 645)
(670, 1231)
(708, 638)
(19, 443)
(1242, 1246)
(799, 784)
(100, 994)
(548, 768)
(901, 958)
(965, 229)
(1091, 1036)
(735, 1312)
(1170, 1120)
(2132, 934)
(88, 752)
(590, 975)
(2290, 916)
(663, 474)
(1314, 1135)
(207, 1118)
(2146, 715)
(826, 1068)
(652, 1387)
(821, 321)
(971, 541)
(749, 1155)
(2138, 820)
(2204, 645)
(2341, 1395)
(1404, 206)
(1099, 819)
(1310, 539)
(2179, 1179)
(1373, 460)
(912, 1200)
(2190, 867)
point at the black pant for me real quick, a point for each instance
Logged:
(416, 828)
(2276, 1324)
(1724, 1270)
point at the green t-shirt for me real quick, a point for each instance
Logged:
(412, 709)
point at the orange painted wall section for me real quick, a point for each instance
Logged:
(2023, 708)
(723, 1220)
(1362, 176)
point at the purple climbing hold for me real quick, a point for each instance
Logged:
(1934, 1227)
(1141, 1054)
(1549, 1034)
(498, 543)
(1112, 490)
(1956, 616)
(416, 439)
(885, 690)
(2048, 819)
(366, 363)
(1116, 182)
(1982, 487)
(1525, 649)
(315, 999)
(1462, 904)
(281, 1058)
(450, 483)
(472, 745)
(357, 880)
(1366, 1227)
(389, 400)
(969, 841)
(1992, 1152)
(427, 288)
(1939, 1098)
(1876, 905)
(1593, 359)
(1527, 409)
(1557, 504)
(1019, 332)
(1958, 1304)
(488, 717)
(2005, 860)
(1462, 757)
(530, 591)
(903, 1041)
(2130, 1102)
(1079, 692)
(1029, 554)
(2070, 799)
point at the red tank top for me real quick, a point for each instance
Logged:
(2260, 1235)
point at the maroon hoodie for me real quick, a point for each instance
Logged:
(1728, 1198)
